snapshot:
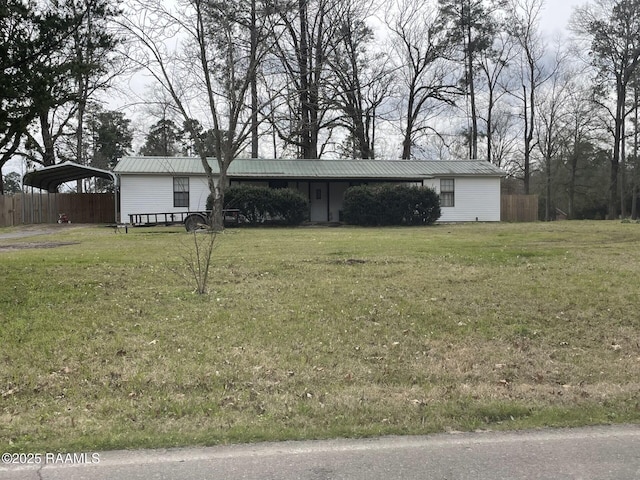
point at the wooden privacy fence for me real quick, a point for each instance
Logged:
(519, 208)
(26, 208)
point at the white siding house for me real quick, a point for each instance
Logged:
(474, 199)
(155, 194)
(469, 190)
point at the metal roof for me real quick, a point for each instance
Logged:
(49, 178)
(305, 169)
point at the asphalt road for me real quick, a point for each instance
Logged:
(598, 453)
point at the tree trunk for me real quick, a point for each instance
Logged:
(254, 83)
(636, 161)
(634, 204)
(615, 158)
(573, 166)
(490, 126)
(49, 154)
(218, 189)
(547, 210)
(528, 137)
(623, 173)
(473, 152)
(80, 139)
(406, 141)
(303, 65)
(360, 135)
(613, 191)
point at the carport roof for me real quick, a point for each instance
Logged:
(49, 178)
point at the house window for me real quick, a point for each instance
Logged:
(278, 183)
(447, 192)
(181, 192)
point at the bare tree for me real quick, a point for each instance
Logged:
(635, 178)
(613, 29)
(302, 32)
(471, 24)
(549, 122)
(360, 80)
(493, 65)
(198, 52)
(523, 24)
(582, 130)
(421, 48)
(504, 137)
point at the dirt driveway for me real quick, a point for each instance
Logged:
(32, 231)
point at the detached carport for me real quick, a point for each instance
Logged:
(44, 208)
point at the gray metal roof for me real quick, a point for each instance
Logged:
(304, 169)
(50, 178)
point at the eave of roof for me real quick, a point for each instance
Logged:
(305, 169)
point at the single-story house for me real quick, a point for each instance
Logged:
(469, 190)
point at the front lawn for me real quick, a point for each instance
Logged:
(316, 333)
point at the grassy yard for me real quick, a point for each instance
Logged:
(316, 332)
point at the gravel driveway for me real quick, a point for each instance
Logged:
(34, 230)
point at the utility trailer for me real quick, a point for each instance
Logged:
(191, 220)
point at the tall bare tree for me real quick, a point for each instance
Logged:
(472, 25)
(198, 50)
(302, 33)
(421, 48)
(523, 24)
(360, 79)
(613, 29)
(549, 122)
(494, 64)
(582, 128)
(635, 177)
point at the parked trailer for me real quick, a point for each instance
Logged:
(191, 220)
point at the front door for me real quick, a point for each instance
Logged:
(319, 202)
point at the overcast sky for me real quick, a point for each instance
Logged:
(555, 16)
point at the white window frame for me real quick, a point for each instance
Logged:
(180, 188)
(447, 192)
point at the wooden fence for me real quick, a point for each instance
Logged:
(519, 208)
(26, 208)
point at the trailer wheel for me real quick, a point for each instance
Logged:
(194, 221)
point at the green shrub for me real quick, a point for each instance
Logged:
(391, 205)
(289, 205)
(253, 202)
(263, 204)
(361, 206)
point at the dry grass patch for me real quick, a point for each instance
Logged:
(310, 333)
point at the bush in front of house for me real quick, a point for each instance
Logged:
(262, 204)
(289, 205)
(361, 206)
(391, 205)
(253, 202)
